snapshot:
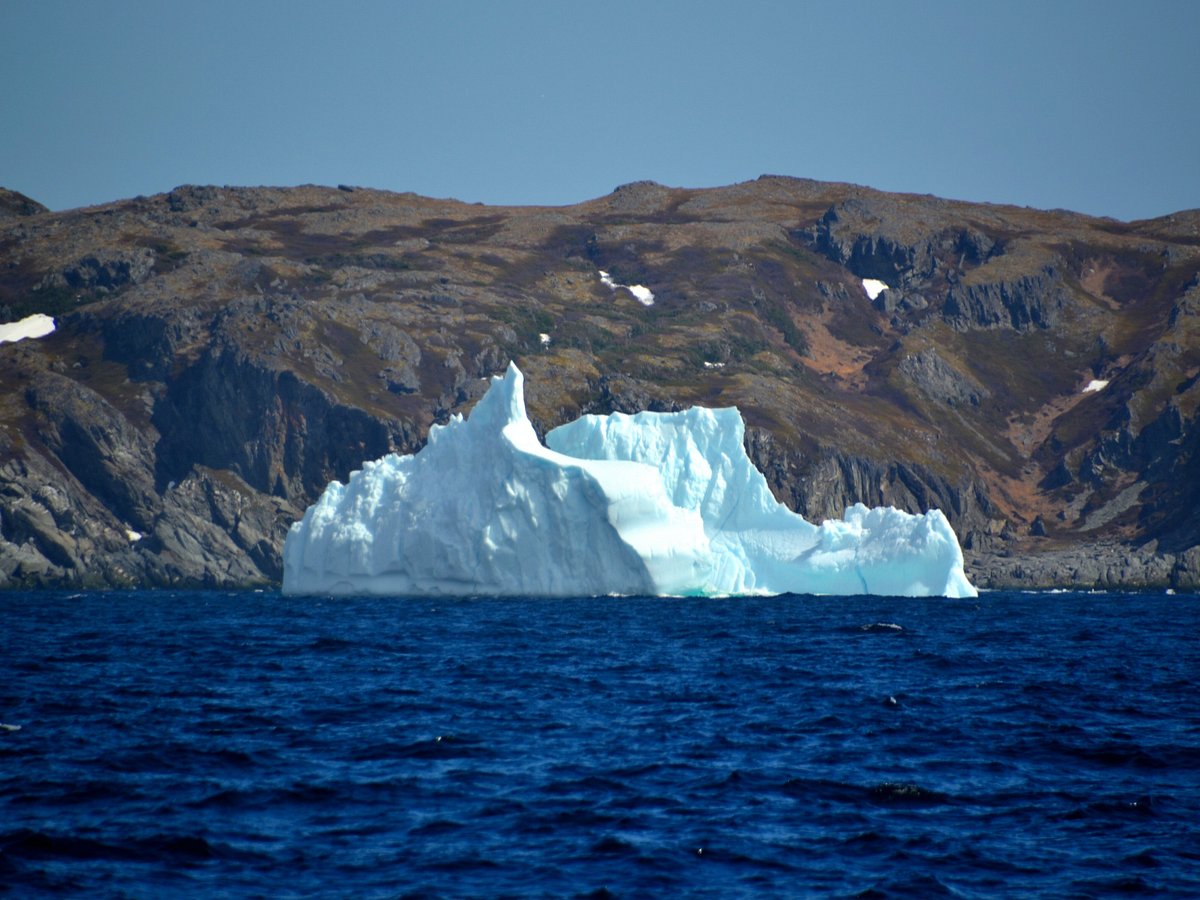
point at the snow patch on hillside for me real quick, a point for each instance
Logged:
(640, 292)
(35, 326)
(874, 287)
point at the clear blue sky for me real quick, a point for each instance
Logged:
(1087, 105)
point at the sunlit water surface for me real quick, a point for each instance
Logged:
(244, 744)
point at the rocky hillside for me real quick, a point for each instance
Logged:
(222, 353)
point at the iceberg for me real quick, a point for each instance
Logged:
(647, 504)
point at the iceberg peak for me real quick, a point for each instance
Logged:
(504, 402)
(651, 503)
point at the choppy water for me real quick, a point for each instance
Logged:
(247, 744)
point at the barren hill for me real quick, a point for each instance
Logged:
(222, 353)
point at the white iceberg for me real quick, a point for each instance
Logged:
(649, 504)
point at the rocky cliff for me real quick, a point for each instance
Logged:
(222, 353)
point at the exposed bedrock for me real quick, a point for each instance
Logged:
(1029, 301)
(1095, 567)
(940, 381)
(882, 238)
(279, 434)
(97, 445)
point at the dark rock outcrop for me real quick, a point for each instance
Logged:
(1029, 301)
(1098, 567)
(280, 435)
(875, 238)
(108, 456)
(940, 381)
(900, 240)
(105, 272)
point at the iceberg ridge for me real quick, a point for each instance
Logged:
(648, 504)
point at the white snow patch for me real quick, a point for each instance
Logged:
(641, 293)
(648, 504)
(35, 326)
(874, 287)
(712, 365)
(1096, 384)
(134, 536)
(544, 338)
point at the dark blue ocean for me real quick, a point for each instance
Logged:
(245, 744)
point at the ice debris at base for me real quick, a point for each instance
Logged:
(874, 287)
(641, 293)
(1095, 384)
(648, 504)
(35, 326)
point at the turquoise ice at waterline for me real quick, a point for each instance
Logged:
(647, 504)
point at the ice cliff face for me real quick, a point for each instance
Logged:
(655, 503)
